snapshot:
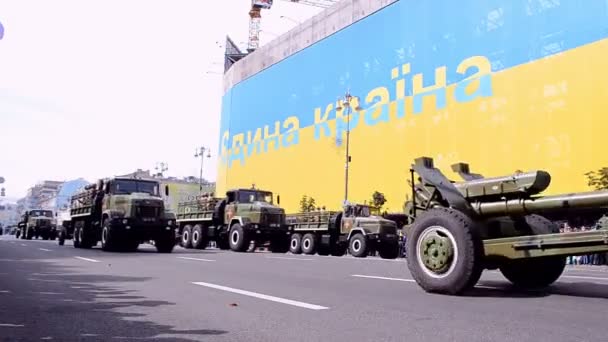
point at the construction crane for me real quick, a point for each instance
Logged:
(255, 17)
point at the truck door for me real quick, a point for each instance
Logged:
(348, 219)
(230, 210)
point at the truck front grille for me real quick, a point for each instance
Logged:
(147, 212)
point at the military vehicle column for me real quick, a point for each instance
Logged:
(234, 221)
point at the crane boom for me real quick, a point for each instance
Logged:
(255, 17)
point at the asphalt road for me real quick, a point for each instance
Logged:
(51, 292)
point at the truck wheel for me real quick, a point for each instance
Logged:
(295, 243)
(108, 241)
(187, 237)
(199, 237)
(309, 244)
(76, 237)
(357, 246)
(85, 238)
(164, 243)
(61, 239)
(389, 250)
(237, 239)
(445, 254)
(535, 272)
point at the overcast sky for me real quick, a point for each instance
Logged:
(102, 87)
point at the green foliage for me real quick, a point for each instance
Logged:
(307, 204)
(378, 199)
(598, 179)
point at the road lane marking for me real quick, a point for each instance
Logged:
(385, 278)
(285, 258)
(197, 259)
(86, 259)
(5, 291)
(44, 249)
(24, 245)
(263, 296)
(11, 325)
(585, 277)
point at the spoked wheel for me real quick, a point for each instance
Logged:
(446, 255)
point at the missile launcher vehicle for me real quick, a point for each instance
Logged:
(457, 229)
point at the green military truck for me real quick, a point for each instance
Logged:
(233, 222)
(356, 228)
(121, 213)
(37, 223)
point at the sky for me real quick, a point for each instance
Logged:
(98, 88)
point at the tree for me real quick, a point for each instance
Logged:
(304, 204)
(598, 179)
(311, 204)
(378, 199)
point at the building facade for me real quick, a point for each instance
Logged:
(503, 85)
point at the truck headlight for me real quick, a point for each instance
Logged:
(125, 221)
(170, 222)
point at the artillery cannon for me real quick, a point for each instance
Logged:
(457, 229)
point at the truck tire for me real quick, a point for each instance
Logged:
(199, 237)
(295, 243)
(186, 241)
(309, 245)
(164, 243)
(61, 239)
(108, 240)
(445, 252)
(357, 246)
(535, 273)
(76, 237)
(85, 238)
(389, 250)
(237, 238)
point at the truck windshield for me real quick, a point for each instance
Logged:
(254, 196)
(46, 213)
(126, 186)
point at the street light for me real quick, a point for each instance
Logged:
(346, 102)
(200, 152)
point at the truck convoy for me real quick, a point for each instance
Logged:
(37, 223)
(458, 229)
(355, 229)
(233, 222)
(121, 213)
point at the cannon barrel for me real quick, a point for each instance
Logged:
(525, 206)
(530, 183)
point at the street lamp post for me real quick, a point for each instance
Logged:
(346, 105)
(200, 152)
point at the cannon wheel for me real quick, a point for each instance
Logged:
(535, 272)
(445, 252)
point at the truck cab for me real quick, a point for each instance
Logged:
(38, 223)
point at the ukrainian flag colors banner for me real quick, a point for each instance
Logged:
(502, 85)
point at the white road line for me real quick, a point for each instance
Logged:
(44, 249)
(197, 259)
(5, 291)
(11, 325)
(263, 296)
(86, 259)
(24, 245)
(584, 277)
(385, 278)
(285, 258)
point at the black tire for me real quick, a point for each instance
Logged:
(186, 240)
(457, 251)
(61, 238)
(165, 243)
(295, 243)
(535, 273)
(108, 239)
(357, 246)
(77, 237)
(389, 250)
(309, 244)
(85, 239)
(199, 237)
(237, 238)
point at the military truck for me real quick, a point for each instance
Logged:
(121, 213)
(458, 229)
(233, 222)
(357, 228)
(37, 223)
